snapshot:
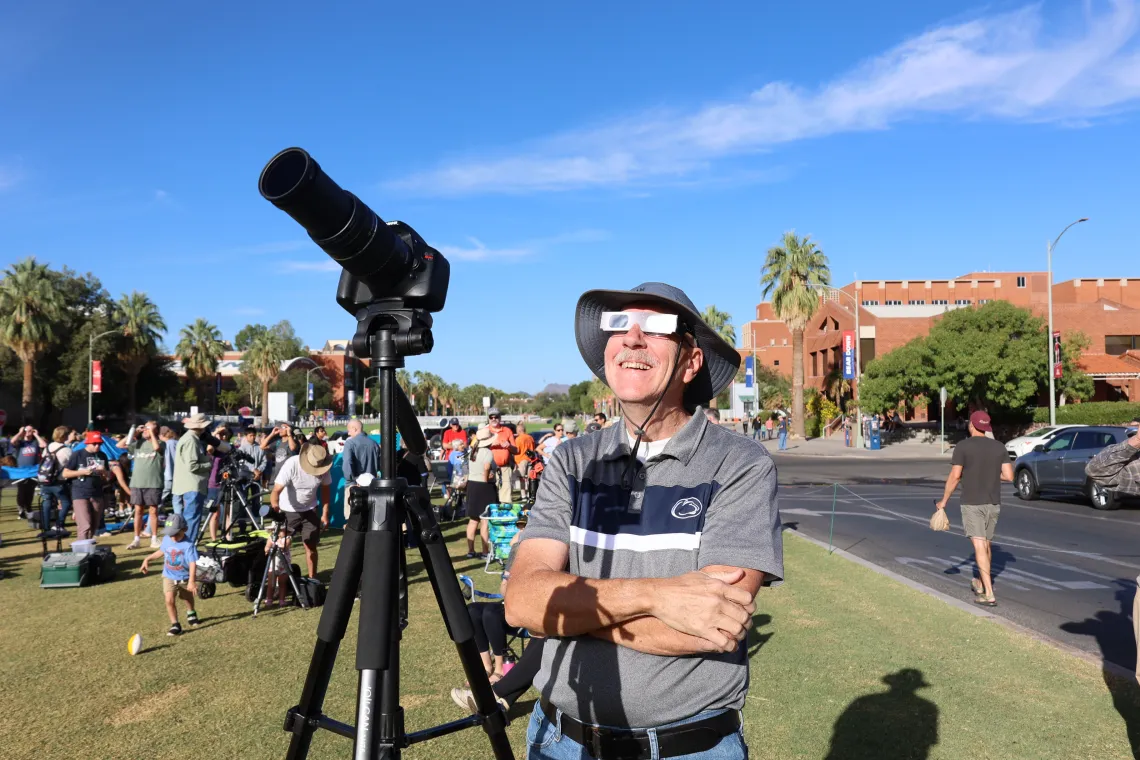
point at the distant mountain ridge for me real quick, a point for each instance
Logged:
(556, 389)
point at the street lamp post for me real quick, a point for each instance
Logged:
(307, 373)
(858, 365)
(90, 372)
(1049, 341)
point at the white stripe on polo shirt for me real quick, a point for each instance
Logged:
(635, 543)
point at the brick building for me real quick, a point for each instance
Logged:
(893, 312)
(341, 368)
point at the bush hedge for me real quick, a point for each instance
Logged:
(1091, 413)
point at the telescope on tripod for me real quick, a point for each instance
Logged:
(392, 282)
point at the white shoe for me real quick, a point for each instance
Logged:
(146, 534)
(134, 544)
(155, 543)
(105, 534)
(465, 699)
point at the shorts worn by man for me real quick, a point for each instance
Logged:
(295, 493)
(980, 463)
(646, 546)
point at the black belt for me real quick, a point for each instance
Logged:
(633, 744)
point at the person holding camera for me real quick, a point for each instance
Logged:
(192, 464)
(295, 493)
(28, 445)
(646, 546)
(281, 443)
(147, 454)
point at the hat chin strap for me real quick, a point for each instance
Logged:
(627, 475)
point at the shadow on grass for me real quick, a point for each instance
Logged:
(155, 648)
(756, 638)
(1114, 634)
(893, 725)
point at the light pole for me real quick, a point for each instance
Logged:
(1049, 341)
(858, 366)
(90, 371)
(307, 373)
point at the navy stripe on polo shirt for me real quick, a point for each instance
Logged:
(709, 498)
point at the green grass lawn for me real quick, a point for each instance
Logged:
(822, 646)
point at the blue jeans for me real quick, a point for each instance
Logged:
(189, 505)
(545, 741)
(49, 495)
(783, 441)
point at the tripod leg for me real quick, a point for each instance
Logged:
(441, 573)
(379, 720)
(264, 580)
(302, 720)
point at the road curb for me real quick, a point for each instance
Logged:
(973, 609)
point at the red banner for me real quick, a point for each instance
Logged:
(1057, 355)
(96, 377)
(366, 389)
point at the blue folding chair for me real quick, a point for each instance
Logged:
(502, 521)
(472, 594)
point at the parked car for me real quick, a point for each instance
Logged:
(1022, 445)
(1058, 465)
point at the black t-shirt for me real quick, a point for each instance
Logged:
(90, 486)
(981, 459)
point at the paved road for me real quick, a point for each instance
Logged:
(805, 470)
(1062, 568)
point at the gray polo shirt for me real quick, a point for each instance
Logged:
(361, 454)
(708, 499)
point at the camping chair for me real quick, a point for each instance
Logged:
(502, 522)
(515, 642)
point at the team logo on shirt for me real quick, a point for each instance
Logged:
(686, 508)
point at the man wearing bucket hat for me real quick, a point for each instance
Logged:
(646, 546)
(192, 464)
(295, 493)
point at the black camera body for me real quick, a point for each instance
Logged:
(424, 285)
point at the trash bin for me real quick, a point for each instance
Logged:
(875, 440)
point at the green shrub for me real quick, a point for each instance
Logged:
(811, 427)
(1092, 413)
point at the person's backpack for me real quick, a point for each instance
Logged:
(50, 469)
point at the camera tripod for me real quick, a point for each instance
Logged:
(276, 551)
(372, 560)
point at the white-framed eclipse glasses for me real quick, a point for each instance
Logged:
(649, 322)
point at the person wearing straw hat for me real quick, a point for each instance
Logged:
(295, 492)
(192, 464)
(646, 546)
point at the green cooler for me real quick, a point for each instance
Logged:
(66, 570)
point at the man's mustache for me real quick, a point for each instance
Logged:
(640, 356)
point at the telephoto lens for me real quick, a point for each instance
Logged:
(337, 221)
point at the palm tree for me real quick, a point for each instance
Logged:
(793, 274)
(199, 349)
(141, 325)
(29, 309)
(835, 385)
(720, 322)
(263, 358)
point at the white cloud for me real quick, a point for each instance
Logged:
(9, 178)
(1001, 67)
(249, 311)
(475, 250)
(311, 266)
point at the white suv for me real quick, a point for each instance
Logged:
(1024, 444)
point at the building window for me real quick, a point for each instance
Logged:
(962, 302)
(1116, 345)
(814, 364)
(920, 302)
(785, 341)
(939, 302)
(772, 342)
(984, 301)
(1021, 282)
(892, 303)
(870, 303)
(776, 363)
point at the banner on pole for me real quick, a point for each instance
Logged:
(311, 392)
(749, 371)
(848, 354)
(96, 377)
(218, 382)
(366, 395)
(1057, 355)
(351, 402)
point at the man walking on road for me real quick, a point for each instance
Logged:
(980, 464)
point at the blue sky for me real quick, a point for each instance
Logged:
(548, 150)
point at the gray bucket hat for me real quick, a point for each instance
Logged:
(721, 360)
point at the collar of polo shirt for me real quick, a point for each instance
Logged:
(682, 446)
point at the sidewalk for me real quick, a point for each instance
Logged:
(833, 447)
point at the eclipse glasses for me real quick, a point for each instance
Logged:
(649, 322)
